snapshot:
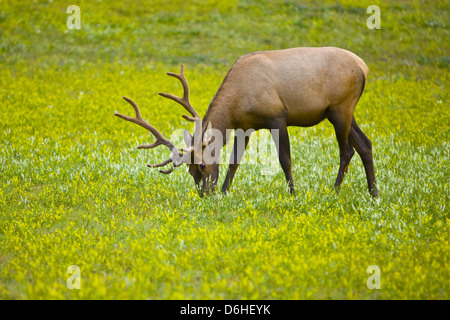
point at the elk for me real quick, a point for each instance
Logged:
(273, 90)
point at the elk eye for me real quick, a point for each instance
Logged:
(202, 166)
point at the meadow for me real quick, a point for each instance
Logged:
(75, 190)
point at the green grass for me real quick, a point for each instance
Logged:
(74, 189)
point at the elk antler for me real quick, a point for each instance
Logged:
(184, 101)
(177, 158)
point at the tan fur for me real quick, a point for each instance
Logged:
(299, 83)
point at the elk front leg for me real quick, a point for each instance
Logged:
(235, 159)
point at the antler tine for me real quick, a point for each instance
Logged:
(162, 164)
(184, 101)
(159, 138)
(166, 171)
(171, 168)
(141, 122)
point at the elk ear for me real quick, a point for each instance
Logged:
(207, 134)
(187, 138)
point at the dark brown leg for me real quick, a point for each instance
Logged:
(342, 127)
(235, 159)
(363, 146)
(284, 154)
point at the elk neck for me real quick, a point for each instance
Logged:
(219, 116)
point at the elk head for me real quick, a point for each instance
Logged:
(204, 171)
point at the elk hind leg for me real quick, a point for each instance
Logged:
(284, 153)
(342, 124)
(363, 146)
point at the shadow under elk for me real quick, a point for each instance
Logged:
(272, 90)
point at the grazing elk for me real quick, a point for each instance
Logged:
(273, 90)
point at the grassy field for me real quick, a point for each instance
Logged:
(74, 189)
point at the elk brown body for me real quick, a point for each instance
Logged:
(274, 90)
